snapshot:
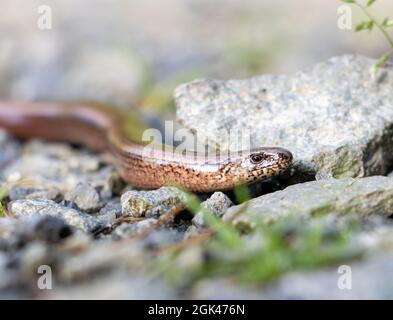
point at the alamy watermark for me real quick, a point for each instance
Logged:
(164, 145)
(344, 281)
(44, 21)
(344, 21)
(44, 281)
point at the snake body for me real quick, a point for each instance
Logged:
(142, 165)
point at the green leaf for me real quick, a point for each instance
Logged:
(348, 1)
(387, 23)
(360, 26)
(383, 60)
(369, 3)
(242, 193)
(3, 194)
(365, 25)
(369, 25)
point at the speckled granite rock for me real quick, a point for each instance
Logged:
(336, 117)
(85, 197)
(23, 209)
(217, 204)
(106, 181)
(363, 197)
(150, 203)
(110, 211)
(52, 165)
(25, 191)
(126, 230)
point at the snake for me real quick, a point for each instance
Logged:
(143, 165)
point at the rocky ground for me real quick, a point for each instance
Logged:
(67, 208)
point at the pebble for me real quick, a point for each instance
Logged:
(85, 197)
(126, 230)
(21, 191)
(25, 209)
(217, 204)
(151, 204)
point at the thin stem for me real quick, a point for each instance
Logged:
(379, 26)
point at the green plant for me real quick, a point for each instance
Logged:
(372, 23)
(259, 256)
(3, 194)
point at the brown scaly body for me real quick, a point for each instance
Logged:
(102, 128)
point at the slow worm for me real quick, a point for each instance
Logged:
(142, 165)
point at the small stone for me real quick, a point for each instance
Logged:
(21, 191)
(161, 237)
(7, 224)
(107, 182)
(191, 232)
(151, 203)
(126, 230)
(85, 197)
(79, 241)
(26, 209)
(9, 234)
(34, 255)
(110, 212)
(217, 204)
(51, 229)
(15, 234)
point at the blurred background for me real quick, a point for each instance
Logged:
(133, 53)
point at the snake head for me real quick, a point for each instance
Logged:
(264, 163)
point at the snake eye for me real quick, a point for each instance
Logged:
(256, 158)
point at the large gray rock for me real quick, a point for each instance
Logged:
(363, 197)
(336, 117)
